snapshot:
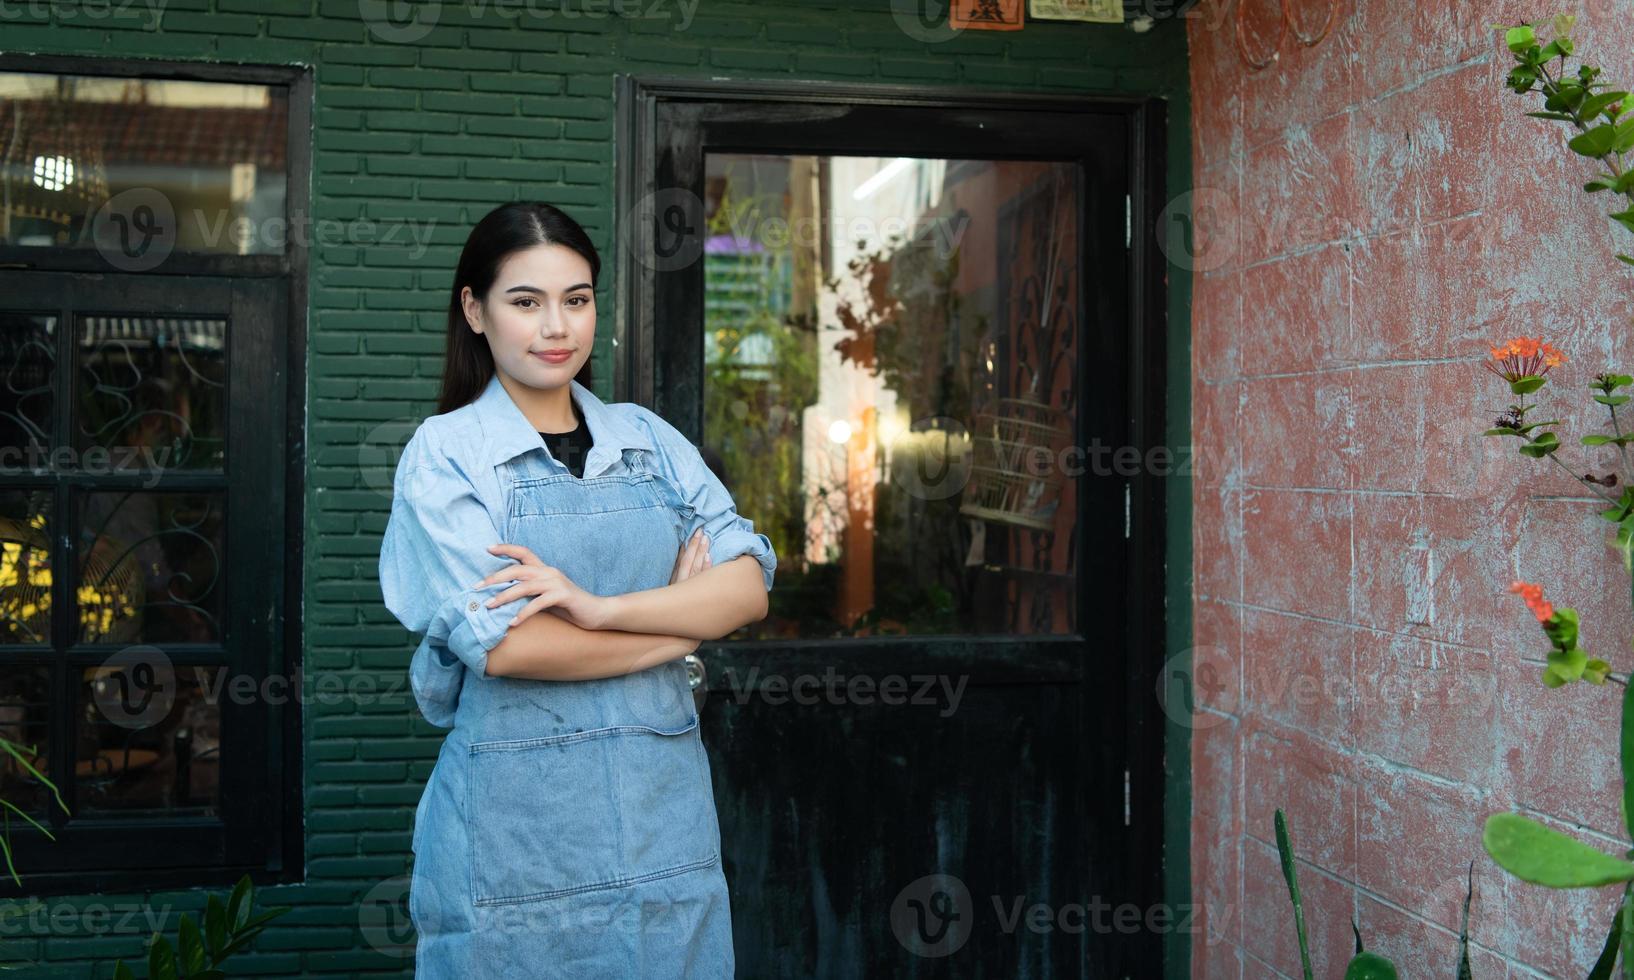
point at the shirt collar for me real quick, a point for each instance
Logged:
(507, 433)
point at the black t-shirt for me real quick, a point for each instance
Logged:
(570, 448)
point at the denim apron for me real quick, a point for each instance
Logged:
(568, 828)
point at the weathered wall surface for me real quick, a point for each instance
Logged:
(1381, 212)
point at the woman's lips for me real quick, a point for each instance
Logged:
(554, 357)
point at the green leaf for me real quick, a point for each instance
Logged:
(1596, 671)
(1520, 38)
(1504, 432)
(238, 908)
(1626, 751)
(1542, 446)
(1629, 259)
(1599, 184)
(1286, 850)
(1608, 952)
(161, 959)
(122, 972)
(1624, 218)
(191, 946)
(1562, 627)
(1535, 853)
(1596, 104)
(1557, 116)
(1566, 665)
(1370, 966)
(1596, 142)
(1595, 440)
(1463, 928)
(1611, 399)
(215, 926)
(1526, 384)
(1628, 933)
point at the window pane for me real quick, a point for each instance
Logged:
(29, 352)
(150, 567)
(889, 355)
(25, 566)
(25, 721)
(152, 391)
(200, 165)
(149, 737)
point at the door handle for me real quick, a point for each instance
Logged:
(697, 678)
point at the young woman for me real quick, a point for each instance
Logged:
(562, 555)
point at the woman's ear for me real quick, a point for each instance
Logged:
(472, 308)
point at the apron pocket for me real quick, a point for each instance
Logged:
(575, 813)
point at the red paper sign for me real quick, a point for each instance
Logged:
(985, 15)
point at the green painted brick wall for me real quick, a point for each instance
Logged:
(483, 109)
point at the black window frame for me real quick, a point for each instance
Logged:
(258, 831)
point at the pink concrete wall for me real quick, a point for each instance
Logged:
(1382, 212)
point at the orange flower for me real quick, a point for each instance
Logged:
(1533, 594)
(1523, 356)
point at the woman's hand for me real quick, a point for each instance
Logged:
(549, 586)
(694, 557)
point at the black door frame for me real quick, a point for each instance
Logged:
(948, 122)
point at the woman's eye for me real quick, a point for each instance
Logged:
(526, 299)
(579, 301)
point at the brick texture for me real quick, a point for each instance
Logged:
(1384, 212)
(486, 104)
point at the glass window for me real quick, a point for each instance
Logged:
(890, 354)
(113, 162)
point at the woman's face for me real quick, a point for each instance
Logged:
(541, 303)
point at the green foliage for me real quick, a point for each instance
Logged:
(1543, 856)
(198, 955)
(1363, 965)
(22, 760)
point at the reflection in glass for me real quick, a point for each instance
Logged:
(163, 757)
(206, 157)
(27, 354)
(25, 721)
(25, 566)
(156, 385)
(150, 567)
(889, 351)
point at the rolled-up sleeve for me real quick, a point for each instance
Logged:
(434, 549)
(730, 534)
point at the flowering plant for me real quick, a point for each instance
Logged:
(1519, 844)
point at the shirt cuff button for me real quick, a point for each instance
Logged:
(471, 605)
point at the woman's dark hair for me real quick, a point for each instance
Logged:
(469, 364)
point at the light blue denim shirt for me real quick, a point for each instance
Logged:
(450, 499)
